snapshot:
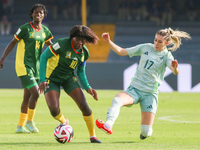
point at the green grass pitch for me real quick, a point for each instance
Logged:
(176, 125)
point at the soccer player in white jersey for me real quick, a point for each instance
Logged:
(143, 89)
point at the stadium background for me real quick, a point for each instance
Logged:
(104, 68)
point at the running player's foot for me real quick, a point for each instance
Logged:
(95, 140)
(21, 129)
(31, 126)
(103, 126)
(142, 137)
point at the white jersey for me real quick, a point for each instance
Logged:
(152, 66)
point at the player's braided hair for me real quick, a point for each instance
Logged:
(34, 8)
(174, 37)
(84, 32)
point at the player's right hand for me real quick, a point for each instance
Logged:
(43, 86)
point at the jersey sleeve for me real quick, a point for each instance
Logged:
(55, 48)
(87, 54)
(20, 33)
(169, 59)
(43, 63)
(136, 50)
(49, 35)
(82, 76)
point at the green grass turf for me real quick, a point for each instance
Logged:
(181, 131)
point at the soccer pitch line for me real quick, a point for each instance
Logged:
(167, 118)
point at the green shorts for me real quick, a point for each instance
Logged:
(29, 80)
(148, 101)
(68, 85)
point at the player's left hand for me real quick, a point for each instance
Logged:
(174, 64)
(93, 92)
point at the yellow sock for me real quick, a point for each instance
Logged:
(31, 114)
(60, 118)
(22, 119)
(90, 124)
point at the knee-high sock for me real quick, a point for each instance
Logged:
(90, 124)
(113, 111)
(22, 119)
(31, 114)
(60, 118)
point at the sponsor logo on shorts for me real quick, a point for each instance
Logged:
(150, 107)
(32, 78)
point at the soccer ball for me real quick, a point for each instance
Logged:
(63, 133)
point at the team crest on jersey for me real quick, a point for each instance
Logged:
(44, 35)
(161, 57)
(75, 79)
(82, 59)
(68, 55)
(31, 35)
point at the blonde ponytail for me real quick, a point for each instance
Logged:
(174, 37)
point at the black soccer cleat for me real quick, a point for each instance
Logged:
(142, 137)
(95, 140)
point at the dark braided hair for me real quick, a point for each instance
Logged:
(84, 32)
(34, 7)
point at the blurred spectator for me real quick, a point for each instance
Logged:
(138, 9)
(71, 9)
(5, 25)
(103, 6)
(167, 12)
(135, 6)
(155, 13)
(52, 7)
(8, 6)
(123, 10)
(192, 9)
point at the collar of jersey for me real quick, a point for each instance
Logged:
(34, 27)
(75, 49)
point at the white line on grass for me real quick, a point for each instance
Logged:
(166, 118)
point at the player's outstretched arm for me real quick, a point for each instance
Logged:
(117, 49)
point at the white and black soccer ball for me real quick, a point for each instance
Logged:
(63, 133)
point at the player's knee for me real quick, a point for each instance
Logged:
(54, 112)
(117, 101)
(146, 130)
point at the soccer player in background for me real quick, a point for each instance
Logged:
(31, 37)
(57, 68)
(143, 89)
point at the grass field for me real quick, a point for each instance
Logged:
(176, 126)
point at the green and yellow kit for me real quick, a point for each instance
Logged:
(29, 49)
(60, 60)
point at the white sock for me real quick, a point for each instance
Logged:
(113, 111)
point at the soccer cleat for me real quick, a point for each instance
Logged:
(31, 126)
(142, 137)
(21, 129)
(103, 126)
(94, 140)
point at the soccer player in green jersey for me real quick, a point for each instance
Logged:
(57, 68)
(31, 38)
(143, 89)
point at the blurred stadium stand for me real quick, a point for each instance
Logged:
(127, 33)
